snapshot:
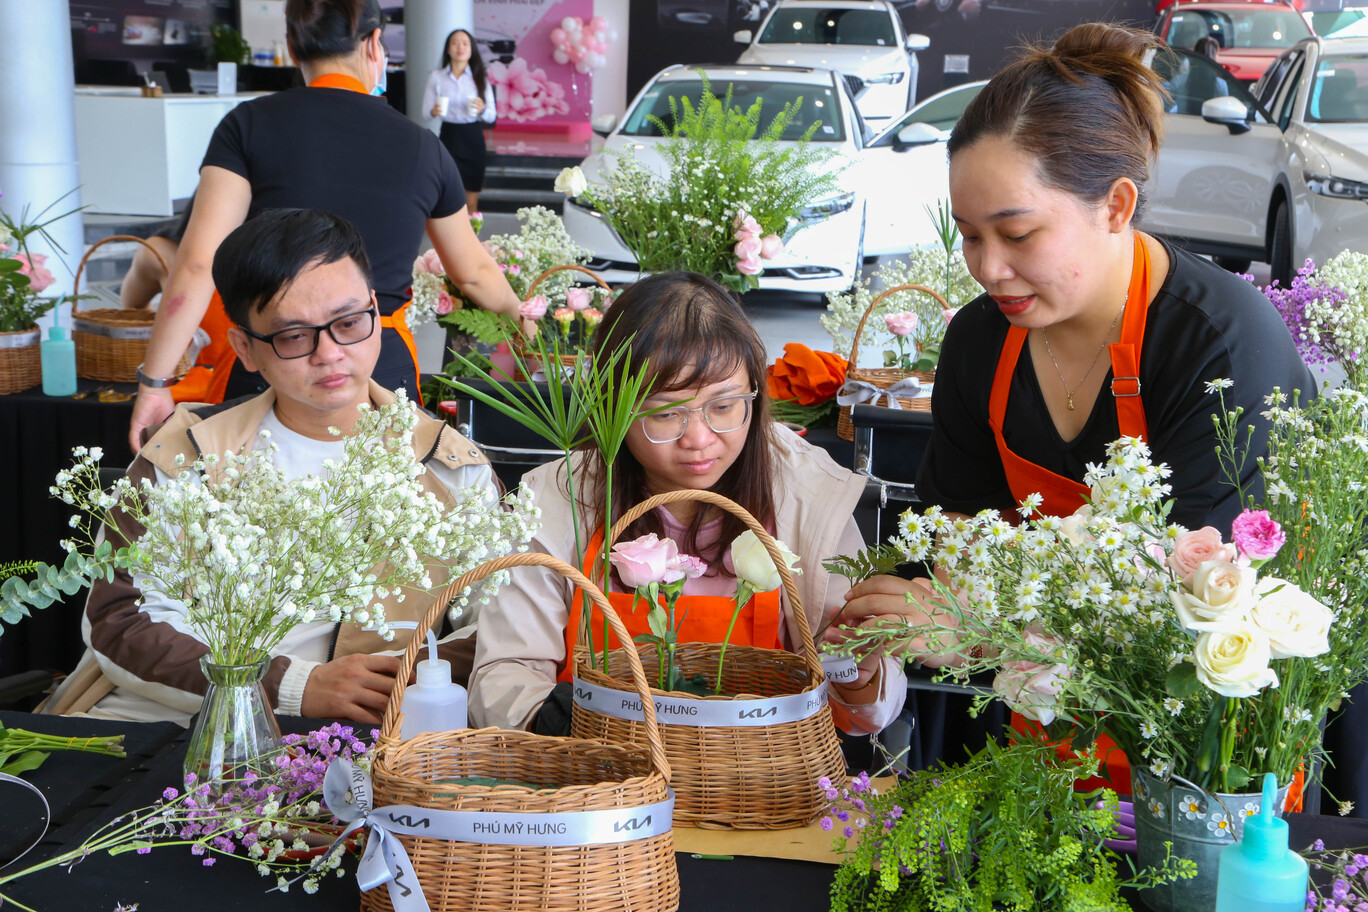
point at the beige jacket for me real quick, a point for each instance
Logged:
(145, 657)
(521, 646)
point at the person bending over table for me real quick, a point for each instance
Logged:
(693, 341)
(328, 146)
(297, 286)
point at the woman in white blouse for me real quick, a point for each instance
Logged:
(460, 95)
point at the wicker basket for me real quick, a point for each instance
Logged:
(519, 343)
(639, 875)
(111, 342)
(742, 777)
(21, 365)
(884, 377)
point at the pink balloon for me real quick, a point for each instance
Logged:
(577, 39)
(560, 56)
(558, 36)
(577, 54)
(598, 24)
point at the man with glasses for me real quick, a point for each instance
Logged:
(296, 282)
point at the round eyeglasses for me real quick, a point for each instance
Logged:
(302, 341)
(723, 415)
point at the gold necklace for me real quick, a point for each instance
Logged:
(1070, 392)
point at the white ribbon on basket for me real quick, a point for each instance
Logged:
(858, 392)
(348, 792)
(697, 713)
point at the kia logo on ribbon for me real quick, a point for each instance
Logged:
(635, 823)
(757, 713)
(582, 694)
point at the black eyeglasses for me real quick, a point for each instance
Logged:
(302, 341)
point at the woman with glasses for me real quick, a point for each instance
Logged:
(692, 341)
(329, 146)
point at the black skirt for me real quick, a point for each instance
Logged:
(466, 143)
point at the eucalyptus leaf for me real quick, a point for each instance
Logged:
(1182, 680)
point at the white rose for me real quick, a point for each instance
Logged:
(1075, 526)
(1220, 594)
(571, 181)
(751, 562)
(1296, 624)
(1234, 661)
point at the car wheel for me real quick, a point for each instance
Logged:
(1280, 247)
(1233, 264)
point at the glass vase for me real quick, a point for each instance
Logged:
(1198, 824)
(235, 730)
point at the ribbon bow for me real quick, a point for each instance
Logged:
(858, 392)
(384, 860)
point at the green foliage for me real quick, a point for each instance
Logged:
(822, 414)
(719, 163)
(1004, 830)
(862, 565)
(50, 583)
(484, 326)
(226, 45)
(22, 751)
(20, 304)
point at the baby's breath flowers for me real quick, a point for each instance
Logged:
(253, 553)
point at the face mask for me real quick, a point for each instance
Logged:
(382, 78)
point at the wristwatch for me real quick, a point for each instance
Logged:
(153, 382)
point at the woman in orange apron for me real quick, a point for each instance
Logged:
(1048, 170)
(689, 336)
(327, 146)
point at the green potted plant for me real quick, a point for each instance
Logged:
(23, 277)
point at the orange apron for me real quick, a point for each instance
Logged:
(1062, 496)
(705, 617)
(207, 381)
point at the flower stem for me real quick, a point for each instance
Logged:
(743, 595)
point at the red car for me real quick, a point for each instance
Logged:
(1248, 36)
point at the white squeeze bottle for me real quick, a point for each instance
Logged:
(433, 702)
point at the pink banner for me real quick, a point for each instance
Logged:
(521, 41)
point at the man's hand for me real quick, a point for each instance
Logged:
(355, 688)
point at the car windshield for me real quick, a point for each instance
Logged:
(819, 106)
(1237, 28)
(815, 25)
(1347, 23)
(1340, 92)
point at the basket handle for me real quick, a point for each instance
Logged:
(809, 649)
(76, 285)
(570, 266)
(859, 330)
(390, 724)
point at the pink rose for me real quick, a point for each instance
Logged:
(643, 561)
(1257, 535)
(38, 276)
(429, 262)
(592, 316)
(1192, 549)
(563, 315)
(949, 314)
(749, 267)
(745, 225)
(534, 308)
(514, 269)
(444, 304)
(748, 248)
(771, 245)
(578, 298)
(684, 566)
(901, 324)
(1030, 687)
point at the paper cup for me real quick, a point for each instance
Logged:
(443, 105)
(470, 108)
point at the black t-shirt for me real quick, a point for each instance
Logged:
(349, 154)
(1205, 324)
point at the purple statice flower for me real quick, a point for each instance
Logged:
(1291, 305)
(827, 824)
(848, 832)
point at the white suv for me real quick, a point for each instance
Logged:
(861, 39)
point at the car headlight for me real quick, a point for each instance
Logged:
(824, 209)
(1335, 187)
(884, 79)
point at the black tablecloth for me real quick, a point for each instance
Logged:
(168, 877)
(37, 434)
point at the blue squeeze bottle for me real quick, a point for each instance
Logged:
(1260, 873)
(58, 356)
